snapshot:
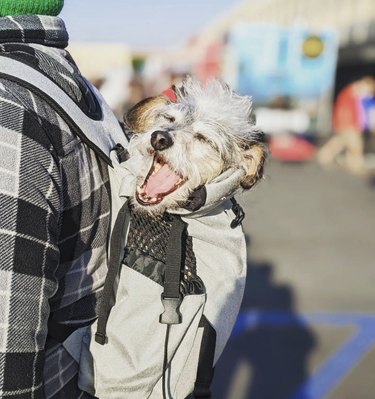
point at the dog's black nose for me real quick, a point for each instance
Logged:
(161, 140)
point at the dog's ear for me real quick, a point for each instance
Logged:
(141, 117)
(255, 156)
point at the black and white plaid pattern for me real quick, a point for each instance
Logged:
(54, 217)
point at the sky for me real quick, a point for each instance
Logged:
(141, 24)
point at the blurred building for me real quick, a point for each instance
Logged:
(96, 60)
(354, 21)
(109, 67)
(302, 49)
(342, 15)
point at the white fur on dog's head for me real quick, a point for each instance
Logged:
(211, 129)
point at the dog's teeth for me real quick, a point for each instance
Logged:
(157, 167)
(178, 183)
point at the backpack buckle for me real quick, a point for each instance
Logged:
(171, 314)
(101, 338)
(239, 213)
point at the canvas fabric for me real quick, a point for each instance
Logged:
(130, 363)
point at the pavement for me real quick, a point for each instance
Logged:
(307, 324)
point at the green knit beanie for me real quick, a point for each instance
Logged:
(30, 7)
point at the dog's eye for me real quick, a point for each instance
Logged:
(169, 118)
(203, 139)
(200, 137)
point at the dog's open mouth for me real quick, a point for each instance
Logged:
(161, 180)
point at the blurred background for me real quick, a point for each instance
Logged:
(307, 325)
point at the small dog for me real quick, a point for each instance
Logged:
(180, 267)
(188, 143)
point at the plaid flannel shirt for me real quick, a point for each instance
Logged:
(54, 217)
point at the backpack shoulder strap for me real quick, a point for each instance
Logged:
(101, 135)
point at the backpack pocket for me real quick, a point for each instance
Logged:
(138, 352)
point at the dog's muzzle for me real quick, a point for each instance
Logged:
(161, 140)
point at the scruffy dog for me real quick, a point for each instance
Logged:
(184, 266)
(188, 143)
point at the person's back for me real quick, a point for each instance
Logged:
(349, 124)
(347, 111)
(54, 210)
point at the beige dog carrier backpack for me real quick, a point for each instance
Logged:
(171, 298)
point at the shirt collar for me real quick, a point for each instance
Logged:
(40, 29)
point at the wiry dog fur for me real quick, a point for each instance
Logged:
(208, 130)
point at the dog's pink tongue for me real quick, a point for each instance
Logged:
(161, 182)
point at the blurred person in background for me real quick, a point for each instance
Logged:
(350, 120)
(369, 108)
(54, 209)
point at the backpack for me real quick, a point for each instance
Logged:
(167, 308)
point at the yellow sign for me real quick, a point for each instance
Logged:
(312, 47)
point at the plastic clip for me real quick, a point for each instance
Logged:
(122, 153)
(239, 212)
(171, 314)
(101, 338)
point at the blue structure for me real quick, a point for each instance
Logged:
(274, 61)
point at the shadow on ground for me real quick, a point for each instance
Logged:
(266, 361)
